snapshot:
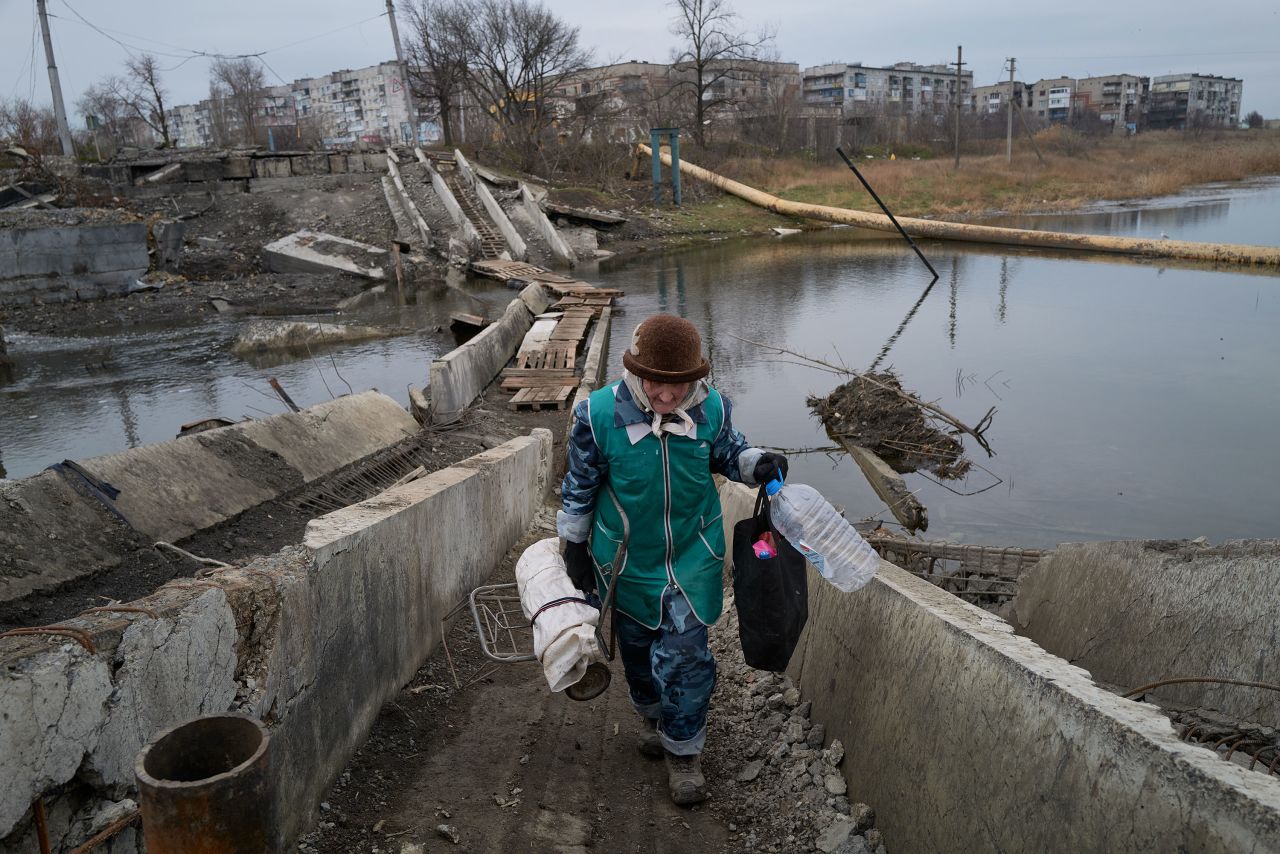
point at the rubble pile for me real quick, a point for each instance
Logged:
(771, 769)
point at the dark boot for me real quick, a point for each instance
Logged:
(647, 742)
(685, 780)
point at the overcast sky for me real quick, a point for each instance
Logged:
(1235, 38)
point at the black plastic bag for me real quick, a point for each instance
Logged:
(771, 594)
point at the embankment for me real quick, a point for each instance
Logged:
(312, 640)
(971, 738)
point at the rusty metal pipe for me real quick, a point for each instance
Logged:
(202, 787)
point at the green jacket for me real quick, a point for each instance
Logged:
(664, 486)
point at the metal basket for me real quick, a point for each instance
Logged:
(505, 634)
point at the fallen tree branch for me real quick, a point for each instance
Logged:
(809, 361)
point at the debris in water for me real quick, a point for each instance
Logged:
(868, 411)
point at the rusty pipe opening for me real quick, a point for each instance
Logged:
(202, 788)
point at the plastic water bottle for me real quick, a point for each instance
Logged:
(822, 535)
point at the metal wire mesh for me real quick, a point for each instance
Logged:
(505, 634)
(982, 575)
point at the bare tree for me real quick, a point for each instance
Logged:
(221, 120)
(145, 94)
(519, 53)
(437, 56)
(138, 95)
(102, 101)
(32, 128)
(715, 49)
(240, 83)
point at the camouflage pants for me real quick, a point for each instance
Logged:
(671, 672)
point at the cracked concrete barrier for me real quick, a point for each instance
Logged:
(312, 640)
(461, 375)
(1134, 613)
(967, 737)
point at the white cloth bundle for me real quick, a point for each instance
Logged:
(564, 638)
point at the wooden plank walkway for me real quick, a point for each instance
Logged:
(546, 378)
(559, 285)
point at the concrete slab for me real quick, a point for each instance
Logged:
(238, 167)
(315, 252)
(170, 490)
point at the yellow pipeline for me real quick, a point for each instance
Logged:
(1219, 253)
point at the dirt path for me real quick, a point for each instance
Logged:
(508, 766)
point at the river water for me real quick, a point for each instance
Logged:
(1133, 400)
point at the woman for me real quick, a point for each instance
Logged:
(644, 448)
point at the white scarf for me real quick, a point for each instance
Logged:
(681, 423)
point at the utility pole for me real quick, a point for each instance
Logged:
(59, 110)
(404, 72)
(1008, 144)
(959, 66)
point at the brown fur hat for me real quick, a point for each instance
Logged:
(666, 349)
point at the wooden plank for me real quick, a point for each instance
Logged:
(514, 383)
(541, 398)
(891, 488)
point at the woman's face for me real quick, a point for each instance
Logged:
(665, 397)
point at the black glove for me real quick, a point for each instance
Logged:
(577, 562)
(770, 467)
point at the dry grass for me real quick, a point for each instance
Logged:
(1152, 164)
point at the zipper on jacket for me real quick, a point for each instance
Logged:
(666, 515)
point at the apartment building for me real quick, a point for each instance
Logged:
(904, 87)
(1179, 101)
(628, 97)
(1119, 100)
(340, 108)
(1052, 99)
(995, 98)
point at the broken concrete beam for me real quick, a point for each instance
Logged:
(170, 490)
(315, 252)
(515, 242)
(263, 336)
(167, 234)
(164, 175)
(891, 488)
(559, 249)
(459, 376)
(238, 167)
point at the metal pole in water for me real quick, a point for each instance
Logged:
(887, 212)
(202, 787)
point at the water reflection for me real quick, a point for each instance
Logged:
(1218, 214)
(76, 397)
(1132, 401)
